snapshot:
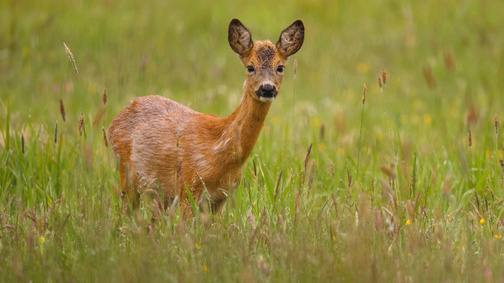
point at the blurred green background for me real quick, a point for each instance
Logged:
(425, 146)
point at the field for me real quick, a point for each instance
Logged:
(405, 185)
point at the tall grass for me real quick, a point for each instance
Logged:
(333, 191)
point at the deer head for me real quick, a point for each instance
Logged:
(263, 60)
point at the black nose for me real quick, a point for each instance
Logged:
(267, 90)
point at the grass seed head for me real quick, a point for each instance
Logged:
(62, 109)
(70, 56)
(448, 61)
(496, 124)
(22, 144)
(380, 84)
(56, 132)
(104, 137)
(384, 77)
(429, 77)
(104, 97)
(364, 89)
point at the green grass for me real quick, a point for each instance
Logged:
(404, 199)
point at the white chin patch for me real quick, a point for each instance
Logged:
(266, 99)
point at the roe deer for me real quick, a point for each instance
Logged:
(160, 142)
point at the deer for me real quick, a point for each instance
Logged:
(161, 144)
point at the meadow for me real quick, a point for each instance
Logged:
(381, 160)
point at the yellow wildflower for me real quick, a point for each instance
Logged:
(41, 240)
(315, 122)
(482, 220)
(427, 119)
(362, 68)
(408, 223)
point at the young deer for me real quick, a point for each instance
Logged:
(160, 142)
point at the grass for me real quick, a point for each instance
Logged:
(389, 190)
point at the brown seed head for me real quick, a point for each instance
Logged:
(429, 77)
(104, 137)
(384, 77)
(448, 60)
(104, 97)
(62, 109)
(472, 115)
(364, 89)
(496, 124)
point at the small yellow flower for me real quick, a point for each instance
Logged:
(498, 237)
(334, 237)
(41, 240)
(427, 119)
(205, 268)
(362, 68)
(315, 122)
(196, 246)
(408, 223)
(482, 220)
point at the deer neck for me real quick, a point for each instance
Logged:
(245, 124)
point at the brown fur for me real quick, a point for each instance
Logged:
(161, 142)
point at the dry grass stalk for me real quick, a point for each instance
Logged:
(335, 204)
(429, 77)
(306, 162)
(105, 137)
(81, 125)
(277, 189)
(310, 180)
(70, 56)
(380, 84)
(56, 132)
(388, 171)
(62, 109)
(22, 144)
(98, 117)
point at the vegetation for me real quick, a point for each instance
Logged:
(404, 185)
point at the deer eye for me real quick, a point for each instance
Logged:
(250, 69)
(280, 68)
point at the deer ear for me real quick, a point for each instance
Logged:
(291, 39)
(239, 38)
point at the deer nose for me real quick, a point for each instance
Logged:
(267, 90)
